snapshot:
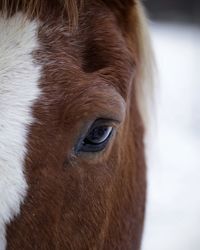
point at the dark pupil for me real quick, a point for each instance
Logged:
(98, 135)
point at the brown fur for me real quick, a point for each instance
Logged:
(89, 201)
(34, 8)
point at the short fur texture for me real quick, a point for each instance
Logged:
(97, 70)
(18, 91)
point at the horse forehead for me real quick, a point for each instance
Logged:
(18, 90)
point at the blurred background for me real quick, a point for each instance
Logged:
(173, 207)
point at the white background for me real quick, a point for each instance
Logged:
(173, 207)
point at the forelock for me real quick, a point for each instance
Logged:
(34, 8)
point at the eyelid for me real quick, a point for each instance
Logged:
(104, 122)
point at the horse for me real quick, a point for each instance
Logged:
(75, 83)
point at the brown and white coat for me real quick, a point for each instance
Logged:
(63, 65)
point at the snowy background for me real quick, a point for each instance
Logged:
(173, 207)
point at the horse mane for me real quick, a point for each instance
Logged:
(145, 81)
(33, 8)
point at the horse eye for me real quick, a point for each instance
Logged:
(96, 138)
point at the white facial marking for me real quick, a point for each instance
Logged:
(18, 91)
